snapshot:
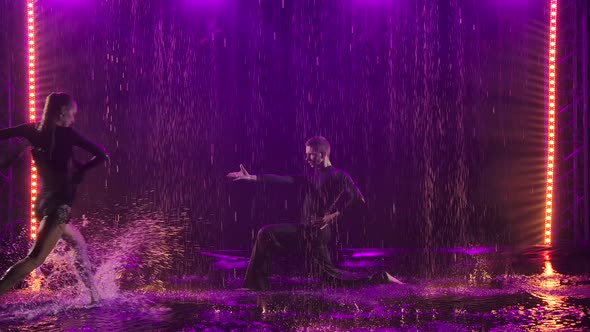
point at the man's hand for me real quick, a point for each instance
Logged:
(241, 175)
(326, 220)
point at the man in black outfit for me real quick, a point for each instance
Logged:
(328, 193)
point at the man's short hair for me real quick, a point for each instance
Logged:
(320, 144)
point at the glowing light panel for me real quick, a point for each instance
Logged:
(551, 135)
(32, 104)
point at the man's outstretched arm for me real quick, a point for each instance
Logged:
(243, 175)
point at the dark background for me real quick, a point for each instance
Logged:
(436, 109)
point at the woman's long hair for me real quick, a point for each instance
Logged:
(51, 113)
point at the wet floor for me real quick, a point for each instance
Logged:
(543, 300)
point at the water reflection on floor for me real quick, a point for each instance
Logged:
(547, 300)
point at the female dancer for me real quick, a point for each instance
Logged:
(51, 143)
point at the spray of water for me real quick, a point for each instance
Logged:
(129, 260)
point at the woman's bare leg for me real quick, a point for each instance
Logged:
(50, 231)
(75, 239)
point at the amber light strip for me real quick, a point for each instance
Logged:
(551, 121)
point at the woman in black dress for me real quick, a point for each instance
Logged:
(52, 141)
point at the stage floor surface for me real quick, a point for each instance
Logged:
(480, 289)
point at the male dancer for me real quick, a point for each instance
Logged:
(329, 192)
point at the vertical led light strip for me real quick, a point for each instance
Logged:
(32, 104)
(551, 120)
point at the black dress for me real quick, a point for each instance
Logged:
(57, 170)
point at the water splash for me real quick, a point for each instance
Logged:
(137, 256)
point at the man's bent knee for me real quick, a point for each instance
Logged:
(267, 232)
(264, 231)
